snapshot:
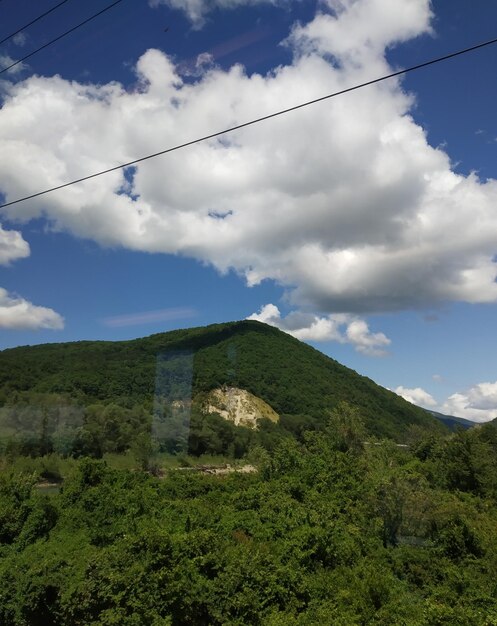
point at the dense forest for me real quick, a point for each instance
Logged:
(355, 508)
(89, 398)
(340, 528)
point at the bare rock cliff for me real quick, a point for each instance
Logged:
(239, 406)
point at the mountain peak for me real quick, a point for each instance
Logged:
(297, 381)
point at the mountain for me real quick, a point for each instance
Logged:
(453, 422)
(298, 382)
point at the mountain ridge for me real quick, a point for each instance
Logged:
(296, 380)
(453, 421)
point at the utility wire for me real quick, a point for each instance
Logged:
(256, 121)
(37, 19)
(71, 30)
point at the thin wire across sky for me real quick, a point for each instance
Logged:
(36, 19)
(59, 37)
(257, 120)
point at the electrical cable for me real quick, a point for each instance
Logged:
(67, 32)
(256, 121)
(37, 19)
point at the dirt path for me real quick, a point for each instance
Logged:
(219, 470)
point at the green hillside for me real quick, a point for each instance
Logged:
(300, 383)
(326, 526)
(453, 422)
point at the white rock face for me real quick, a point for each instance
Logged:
(239, 406)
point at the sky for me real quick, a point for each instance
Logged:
(365, 225)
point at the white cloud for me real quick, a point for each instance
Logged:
(372, 344)
(19, 314)
(269, 314)
(437, 378)
(417, 396)
(484, 396)
(6, 61)
(339, 327)
(149, 317)
(479, 403)
(303, 326)
(196, 10)
(345, 203)
(12, 246)
(20, 39)
(355, 31)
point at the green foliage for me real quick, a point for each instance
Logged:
(339, 525)
(330, 530)
(93, 398)
(14, 507)
(345, 429)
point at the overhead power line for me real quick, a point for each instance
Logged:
(256, 121)
(67, 32)
(37, 19)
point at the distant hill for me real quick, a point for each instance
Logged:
(300, 383)
(453, 422)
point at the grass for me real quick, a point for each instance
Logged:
(54, 468)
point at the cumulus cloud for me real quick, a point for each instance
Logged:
(19, 314)
(344, 204)
(339, 327)
(12, 246)
(306, 327)
(417, 396)
(479, 403)
(372, 344)
(196, 10)
(354, 31)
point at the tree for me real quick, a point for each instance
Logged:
(345, 429)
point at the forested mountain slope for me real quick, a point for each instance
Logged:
(453, 422)
(297, 381)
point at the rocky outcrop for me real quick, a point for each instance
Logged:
(239, 406)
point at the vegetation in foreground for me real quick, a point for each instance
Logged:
(338, 529)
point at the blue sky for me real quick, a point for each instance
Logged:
(366, 225)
